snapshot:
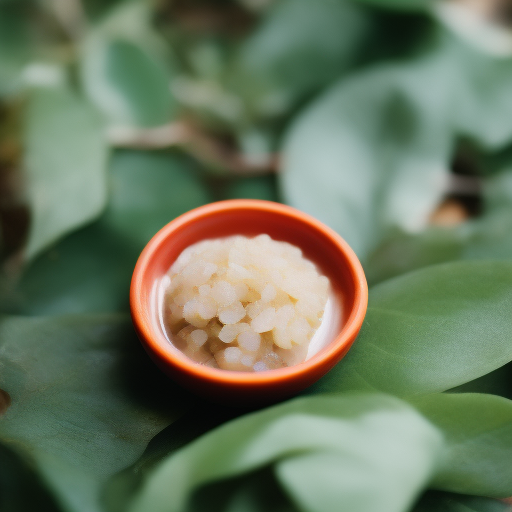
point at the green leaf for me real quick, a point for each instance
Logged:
(126, 68)
(27, 34)
(15, 48)
(484, 113)
(65, 164)
(148, 190)
(128, 84)
(478, 434)
(97, 8)
(402, 5)
(382, 143)
(383, 140)
(431, 330)
(313, 480)
(299, 437)
(436, 501)
(20, 487)
(90, 270)
(259, 187)
(297, 48)
(498, 382)
(401, 252)
(199, 419)
(256, 492)
(85, 400)
(132, 20)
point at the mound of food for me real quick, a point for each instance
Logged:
(245, 304)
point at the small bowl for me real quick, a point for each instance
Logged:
(320, 244)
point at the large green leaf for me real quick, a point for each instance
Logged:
(298, 47)
(90, 270)
(484, 110)
(383, 140)
(198, 420)
(20, 487)
(148, 190)
(478, 434)
(85, 400)
(431, 330)
(126, 69)
(128, 84)
(380, 454)
(65, 165)
(258, 491)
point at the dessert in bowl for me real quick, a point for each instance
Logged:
(282, 291)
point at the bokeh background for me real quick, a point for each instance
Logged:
(389, 120)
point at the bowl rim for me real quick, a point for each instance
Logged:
(165, 352)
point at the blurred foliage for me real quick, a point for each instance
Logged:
(312, 443)
(390, 120)
(146, 189)
(20, 487)
(65, 160)
(94, 385)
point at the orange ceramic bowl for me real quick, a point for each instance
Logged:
(319, 243)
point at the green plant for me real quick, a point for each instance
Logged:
(116, 117)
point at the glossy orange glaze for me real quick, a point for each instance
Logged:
(248, 217)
